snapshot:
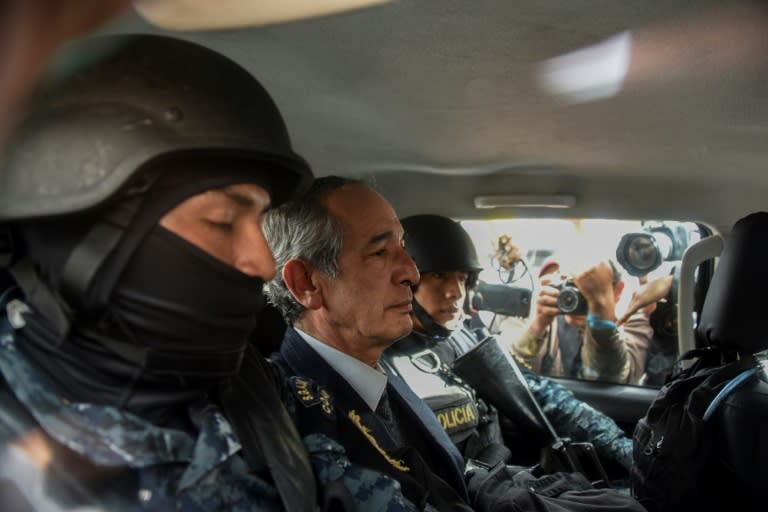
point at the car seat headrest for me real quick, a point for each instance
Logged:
(734, 310)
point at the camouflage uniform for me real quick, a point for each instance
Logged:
(170, 469)
(580, 421)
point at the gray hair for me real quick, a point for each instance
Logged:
(304, 229)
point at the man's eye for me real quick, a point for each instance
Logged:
(380, 252)
(221, 226)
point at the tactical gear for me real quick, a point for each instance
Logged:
(569, 416)
(132, 99)
(676, 454)
(512, 397)
(509, 392)
(166, 476)
(423, 363)
(508, 488)
(135, 125)
(439, 244)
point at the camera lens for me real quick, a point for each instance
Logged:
(568, 300)
(639, 253)
(642, 253)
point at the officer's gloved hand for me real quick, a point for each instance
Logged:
(475, 477)
(551, 485)
(484, 480)
(478, 474)
(492, 454)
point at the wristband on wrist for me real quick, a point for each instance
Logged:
(596, 323)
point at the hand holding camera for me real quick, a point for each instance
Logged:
(546, 305)
(570, 301)
(573, 296)
(597, 286)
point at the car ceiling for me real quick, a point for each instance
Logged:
(437, 102)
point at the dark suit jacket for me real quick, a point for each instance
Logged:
(436, 447)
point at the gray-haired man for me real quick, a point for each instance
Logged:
(344, 283)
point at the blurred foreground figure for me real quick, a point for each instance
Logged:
(30, 30)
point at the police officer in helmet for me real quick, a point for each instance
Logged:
(447, 261)
(132, 268)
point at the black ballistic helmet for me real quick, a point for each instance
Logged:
(125, 128)
(129, 100)
(439, 244)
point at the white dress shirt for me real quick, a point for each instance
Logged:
(367, 381)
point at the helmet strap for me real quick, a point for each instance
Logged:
(430, 326)
(89, 256)
(42, 299)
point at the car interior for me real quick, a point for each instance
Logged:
(563, 125)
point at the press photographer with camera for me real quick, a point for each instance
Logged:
(574, 333)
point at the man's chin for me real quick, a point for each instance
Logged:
(404, 331)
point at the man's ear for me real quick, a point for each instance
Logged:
(297, 276)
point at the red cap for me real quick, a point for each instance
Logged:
(551, 262)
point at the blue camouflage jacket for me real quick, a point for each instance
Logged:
(169, 469)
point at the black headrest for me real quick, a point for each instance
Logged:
(269, 332)
(735, 314)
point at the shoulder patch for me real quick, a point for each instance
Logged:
(309, 394)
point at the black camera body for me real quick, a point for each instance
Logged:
(502, 299)
(570, 301)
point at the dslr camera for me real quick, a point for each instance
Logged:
(570, 301)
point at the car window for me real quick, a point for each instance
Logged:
(526, 259)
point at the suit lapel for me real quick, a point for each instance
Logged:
(418, 413)
(305, 362)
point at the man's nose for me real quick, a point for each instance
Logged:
(407, 273)
(453, 288)
(252, 255)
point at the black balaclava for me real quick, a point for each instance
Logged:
(175, 319)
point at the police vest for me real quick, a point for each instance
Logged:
(423, 365)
